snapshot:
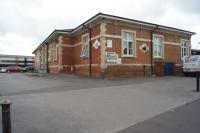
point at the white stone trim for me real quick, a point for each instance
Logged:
(109, 64)
(143, 40)
(81, 65)
(66, 45)
(173, 43)
(117, 37)
(112, 36)
(129, 64)
(85, 65)
(96, 37)
(178, 64)
(53, 66)
(66, 65)
(77, 44)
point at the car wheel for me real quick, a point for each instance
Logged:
(186, 74)
(8, 71)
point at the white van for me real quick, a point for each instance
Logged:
(191, 64)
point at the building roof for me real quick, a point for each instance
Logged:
(112, 17)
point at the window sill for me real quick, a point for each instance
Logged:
(128, 56)
(158, 57)
(84, 58)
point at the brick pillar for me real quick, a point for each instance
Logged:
(60, 53)
(103, 48)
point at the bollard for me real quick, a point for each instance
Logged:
(6, 121)
(197, 74)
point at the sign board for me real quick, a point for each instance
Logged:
(119, 61)
(96, 44)
(111, 57)
(109, 43)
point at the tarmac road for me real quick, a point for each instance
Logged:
(184, 119)
(74, 104)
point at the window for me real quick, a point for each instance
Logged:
(185, 48)
(54, 52)
(158, 46)
(85, 46)
(128, 44)
(49, 55)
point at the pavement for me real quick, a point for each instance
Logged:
(75, 104)
(184, 119)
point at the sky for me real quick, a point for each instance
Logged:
(24, 24)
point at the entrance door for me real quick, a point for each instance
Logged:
(169, 68)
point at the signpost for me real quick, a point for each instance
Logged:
(197, 75)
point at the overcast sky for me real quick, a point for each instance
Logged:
(24, 24)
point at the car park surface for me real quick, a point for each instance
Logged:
(76, 104)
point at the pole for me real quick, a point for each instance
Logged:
(197, 74)
(6, 121)
(90, 52)
(152, 61)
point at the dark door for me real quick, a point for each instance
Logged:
(169, 68)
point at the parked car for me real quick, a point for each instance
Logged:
(14, 69)
(2, 70)
(29, 69)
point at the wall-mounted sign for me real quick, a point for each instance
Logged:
(119, 61)
(144, 48)
(111, 57)
(109, 43)
(96, 44)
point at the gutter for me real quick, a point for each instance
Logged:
(90, 49)
(156, 28)
(47, 57)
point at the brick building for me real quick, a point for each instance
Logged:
(108, 45)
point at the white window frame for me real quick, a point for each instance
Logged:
(187, 47)
(156, 46)
(54, 52)
(85, 47)
(133, 41)
(49, 55)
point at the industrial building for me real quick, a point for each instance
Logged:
(16, 60)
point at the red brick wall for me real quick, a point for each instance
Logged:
(67, 56)
(139, 65)
(71, 55)
(172, 53)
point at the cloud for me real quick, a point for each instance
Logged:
(36, 19)
(191, 6)
(11, 43)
